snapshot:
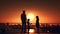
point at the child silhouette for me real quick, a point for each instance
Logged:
(28, 25)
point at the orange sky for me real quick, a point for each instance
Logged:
(48, 11)
(43, 16)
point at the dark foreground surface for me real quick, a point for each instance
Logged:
(32, 33)
(16, 29)
(18, 32)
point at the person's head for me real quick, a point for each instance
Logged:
(28, 19)
(36, 16)
(23, 11)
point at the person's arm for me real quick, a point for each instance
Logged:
(25, 17)
(27, 22)
(21, 16)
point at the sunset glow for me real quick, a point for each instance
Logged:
(48, 11)
(30, 16)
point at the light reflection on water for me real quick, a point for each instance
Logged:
(31, 30)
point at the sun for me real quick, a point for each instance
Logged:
(30, 16)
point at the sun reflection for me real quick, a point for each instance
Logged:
(31, 30)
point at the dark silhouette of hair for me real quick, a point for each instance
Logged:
(23, 19)
(37, 24)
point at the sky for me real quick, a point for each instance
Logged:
(47, 10)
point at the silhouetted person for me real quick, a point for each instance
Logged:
(37, 24)
(28, 25)
(23, 18)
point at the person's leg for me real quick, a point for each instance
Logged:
(24, 28)
(28, 29)
(38, 30)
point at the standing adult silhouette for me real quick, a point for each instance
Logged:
(37, 24)
(23, 19)
(28, 25)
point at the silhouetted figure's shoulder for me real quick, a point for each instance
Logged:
(23, 16)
